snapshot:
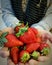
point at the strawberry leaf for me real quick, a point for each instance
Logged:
(20, 23)
(1, 42)
(22, 30)
(4, 34)
(4, 39)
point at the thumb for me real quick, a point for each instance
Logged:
(4, 52)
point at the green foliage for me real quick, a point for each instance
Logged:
(3, 39)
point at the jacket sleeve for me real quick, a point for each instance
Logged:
(8, 16)
(46, 22)
(2, 24)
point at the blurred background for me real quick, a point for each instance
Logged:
(3, 61)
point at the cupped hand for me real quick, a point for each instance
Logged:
(4, 52)
(30, 62)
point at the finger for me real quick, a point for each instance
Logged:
(4, 48)
(26, 63)
(33, 62)
(49, 36)
(10, 62)
(4, 52)
(21, 63)
(43, 58)
(16, 64)
(8, 29)
(46, 35)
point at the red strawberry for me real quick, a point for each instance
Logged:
(34, 30)
(18, 27)
(28, 37)
(24, 56)
(32, 47)
(38, 39)
(12, 41)
(14, 54)
(43, 45)
(44, 48)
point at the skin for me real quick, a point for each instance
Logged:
(43, 58)
(4, 52)
(45, 35)
(9, 62)
(8, 29)
(33, 62)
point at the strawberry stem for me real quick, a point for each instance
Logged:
(22, 30)
(25, 57)
(45, 51)
(35, 55)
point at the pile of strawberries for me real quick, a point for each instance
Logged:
(25, 44)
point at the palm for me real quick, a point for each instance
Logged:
(4, 52)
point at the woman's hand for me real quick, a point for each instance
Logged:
(8, 29)
(46, 35)
(30, 62)
(4, 52)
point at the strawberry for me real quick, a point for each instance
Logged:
(38, 39)
(35, 55)
(20, 25)
(24, 56)
(43, 45)
(44, 48)
(34, 30)
(16, 29)
(12, 41)
(32, 47)
(28, 37)
(14, 54)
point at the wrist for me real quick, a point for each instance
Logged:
(8, 29)
(37, 26)
(12, 22)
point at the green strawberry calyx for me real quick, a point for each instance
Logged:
(19, 24)
(25, 57)
(3, 39)
(22, 30)
(35, 55)
(45, 51)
